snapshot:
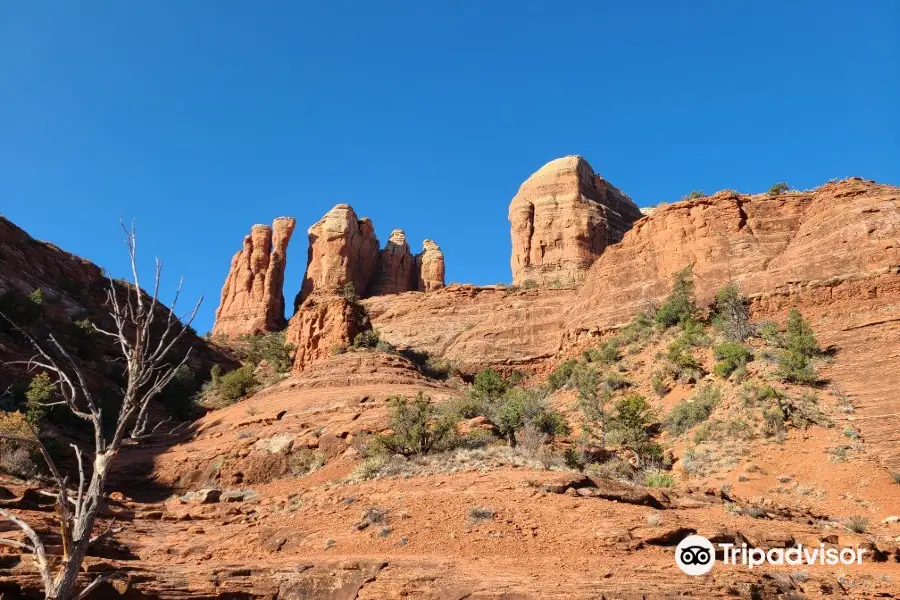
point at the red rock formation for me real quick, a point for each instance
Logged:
(562, 218)
(765, 244)
(342, 248)
(324, 321)
(430, 267)
(397, 267)
(252, 299)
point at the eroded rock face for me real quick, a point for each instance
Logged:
(563, 217)
(342, 248)
(765, 244)
(397, 267)
(252, 299)
(430, 267)
(324, 321)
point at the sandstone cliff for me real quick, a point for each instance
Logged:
(252, 299)
(562, 219)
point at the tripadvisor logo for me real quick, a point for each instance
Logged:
(695, 555)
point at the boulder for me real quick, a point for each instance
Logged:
(252, 299)
(563, 217)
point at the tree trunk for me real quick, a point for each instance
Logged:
(65, 584)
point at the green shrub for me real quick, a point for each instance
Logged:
(562, 375)
(529, 284)
(692, 411)
(489, 385)
(592, 403)
(731, 314)
(366, 340)
(639, 329)
(629, 423)
(416, 427)
(679, 306)
(658, 479)
(269, 347)
(236, 384)
(466, 407)
(779, 188)
(694, 195)
(796, 368)
(857, 523)
(20, 309)
(799, 337)
(770, 333)
(519, 407)
(606, 355)
(732, 355)
(40, 392)
(660, 388)
(349, 292)
(773, 422)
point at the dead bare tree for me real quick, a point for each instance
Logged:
(144, 350)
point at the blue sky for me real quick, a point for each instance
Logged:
(201, 118)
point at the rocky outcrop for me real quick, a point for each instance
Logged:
(324, 322)
(397, 267)
(342, 248)
(563, 217)
(765, 244)
(430, 267)
(252, 299)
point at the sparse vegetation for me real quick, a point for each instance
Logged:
(630, 420)
(658, 479)
(266, 347)
(366, 340)
(679, 306)
(732, 356)
(692, 411)
(416, 427)
(694, 194)
(479, 514)
(857, 523)
(779, 188)
(731, 315)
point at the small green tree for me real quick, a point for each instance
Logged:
(631, 418)
(732, 355)
(489, 385)
(731, 314)
(592, 403)
(520, 407)
(694, 194)
(679, 307)
(416, 427)
(799, 336)
(37, 397)
(779, 188)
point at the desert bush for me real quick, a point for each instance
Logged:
(607, 354)
(614, 381)
(679, 306)
(692, 411)
(349, 292)
(773, 423)
(731, 316)
(694, 194)
(269, 347)
(803, 411)
(22, 309)
(236, 384)
(779, 188)
(629, 422)
(519, 407)
(466, 407)
(416, 427)
(769, 332)
(658, 479)
(489, 385)
(529, 284)
(366, 340)
(338, 349)
(659, 385)
(480, 514)
(799, 337)
(592, 403)
(857, 523)
(638, 330)
(752, 394)
(732, 356)
(562, 376)
(895, 477)
(796, 368)
(614, 468)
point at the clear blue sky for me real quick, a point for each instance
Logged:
(200, 118)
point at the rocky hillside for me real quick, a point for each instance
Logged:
(48, 290)
(724, 365)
